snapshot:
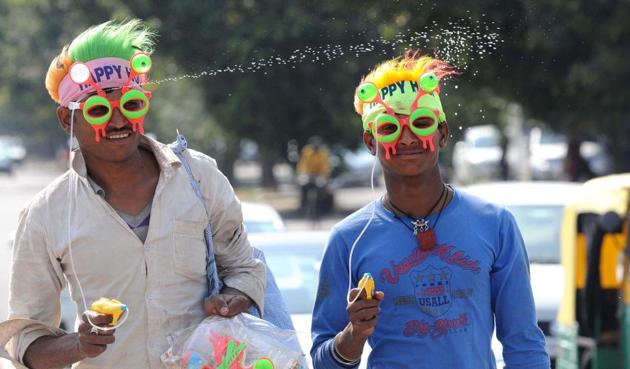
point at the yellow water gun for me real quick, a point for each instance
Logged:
(111, 307)
(367, 283)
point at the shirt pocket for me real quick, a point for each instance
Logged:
(189, 249)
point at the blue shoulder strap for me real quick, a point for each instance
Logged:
(214, 283)
(276, 310)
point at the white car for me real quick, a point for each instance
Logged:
(358, 170)
(549, 149)
(14, 148)
(6, 163)
(294, 258)
(478, 155)
(261, 218)
(547, 152)
(538, 209)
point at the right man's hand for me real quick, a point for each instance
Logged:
(51, 352)
(93, 344)
(363, 313)
(363, 316)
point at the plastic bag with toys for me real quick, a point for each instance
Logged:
(241, 342)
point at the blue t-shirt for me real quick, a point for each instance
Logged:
(440, 306)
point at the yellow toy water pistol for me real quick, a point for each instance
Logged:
(111, 307)
(367, 283)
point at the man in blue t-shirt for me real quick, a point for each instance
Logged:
(446, 265)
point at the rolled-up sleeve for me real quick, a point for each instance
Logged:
(36, 282)
(234, 255)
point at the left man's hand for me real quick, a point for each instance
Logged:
(228, 303)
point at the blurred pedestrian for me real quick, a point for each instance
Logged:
(576, 167)
(313, 171)
(446, 265)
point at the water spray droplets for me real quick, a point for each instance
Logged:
(456, 42)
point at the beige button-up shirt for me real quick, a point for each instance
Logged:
(162, 281)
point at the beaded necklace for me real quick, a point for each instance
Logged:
(420, 226)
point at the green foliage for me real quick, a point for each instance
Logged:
(565, 62)
(179, 107)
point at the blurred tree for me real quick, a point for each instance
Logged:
(179, 107)
(300, 95)
(563, 61)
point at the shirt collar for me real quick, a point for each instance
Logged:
(95, 186)
(166, 158)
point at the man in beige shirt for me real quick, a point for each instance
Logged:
(123, 223)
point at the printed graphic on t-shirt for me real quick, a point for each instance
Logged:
(432, 289)
(438, 328)
(446, 253)
(456, 293)
(435, 278)
(434, 297)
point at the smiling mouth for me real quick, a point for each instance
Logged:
(407, 153)
(118, 136)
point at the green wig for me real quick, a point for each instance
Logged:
(109, 39)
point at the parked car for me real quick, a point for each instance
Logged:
(357, 169)
(547, 152)
(14, 148)
(478, 155)
(549, 149)
(261, 218)
(6, 163)
(537, 208)
(294, 258)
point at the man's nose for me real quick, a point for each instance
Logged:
(118, 120)
(407, 137)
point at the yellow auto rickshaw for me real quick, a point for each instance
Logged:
(594, 316)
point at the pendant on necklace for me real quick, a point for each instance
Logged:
(424, 234)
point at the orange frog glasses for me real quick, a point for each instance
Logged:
(133, 103)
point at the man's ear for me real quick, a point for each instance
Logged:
(444, 131)
(63, 116)
(369, 142)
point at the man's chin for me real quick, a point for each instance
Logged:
(118, 152)
(410, 167)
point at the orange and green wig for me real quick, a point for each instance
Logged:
(107, 40)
